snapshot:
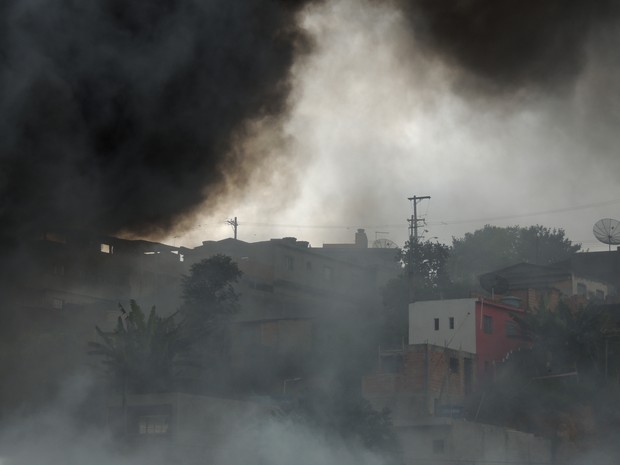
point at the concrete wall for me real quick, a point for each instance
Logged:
(461, 442)
(185, 428)
(422, 317)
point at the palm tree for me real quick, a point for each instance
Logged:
(141, 354)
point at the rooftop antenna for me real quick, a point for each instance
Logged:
(607, 231)
(384, 243)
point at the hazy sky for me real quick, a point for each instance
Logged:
(375, 120)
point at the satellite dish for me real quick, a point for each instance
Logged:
(383, 243)
(607, 231)
(494, 283)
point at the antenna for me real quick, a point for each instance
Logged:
(607, 231)
(383, 243)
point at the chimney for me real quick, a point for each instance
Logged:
(361, 240)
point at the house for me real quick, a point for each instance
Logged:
(537, 285)
(286, 290)
(453, 345)
(420, 380)
(482, 327)
(84, 269)
(63, 285)
(382, 262)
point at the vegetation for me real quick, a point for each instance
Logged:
(558, 385)
(494, 247)
(142, 353)
(145, 354)
(209, 298)
(210, 302)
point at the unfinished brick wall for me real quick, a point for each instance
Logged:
(426, 377)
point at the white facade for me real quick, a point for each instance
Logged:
(445, 323)
(589, 288)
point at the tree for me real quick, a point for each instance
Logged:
(568, 339)
(209, 304)
(209, 297)
(425, 265)
(546, 387)
(427, 260)
(141, 354)
(494, 247)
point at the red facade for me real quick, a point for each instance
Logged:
(497, 334)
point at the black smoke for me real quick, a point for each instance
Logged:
(119, 115)
(501, 46)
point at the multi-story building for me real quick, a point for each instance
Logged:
(63, 286)
(292, 294)
(478, 326)
(453, 345)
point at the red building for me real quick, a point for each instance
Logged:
(483, 327)
(453, 344)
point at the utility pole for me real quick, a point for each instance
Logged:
(234, 225)
(413, 240)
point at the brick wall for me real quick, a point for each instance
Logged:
(426, 378)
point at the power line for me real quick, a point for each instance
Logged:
(525, 215)
(429, 223)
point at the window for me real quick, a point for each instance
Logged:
(290, 263)
(58, 304)
(512, 329)
(438, 446)
(436, 324)
(106, 248)
(328, 272)
(451, 322)
(454, 365)
(582, 289)
(487, 324)
(392, 363)
(153, 424)
(58, 269)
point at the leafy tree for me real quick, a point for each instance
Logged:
(209, 304)
(209, 297)
(567, 338)
(494, 247)
(141, 354)
(425, 265)
(427, 260)
(548, 385)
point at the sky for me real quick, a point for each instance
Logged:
(376, 119)
(163, 119)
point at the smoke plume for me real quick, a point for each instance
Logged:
(120, 115)
(514, 44)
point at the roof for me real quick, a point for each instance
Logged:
(529, 275)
